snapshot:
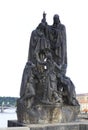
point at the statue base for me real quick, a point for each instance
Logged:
(54, 126)
(43, 114)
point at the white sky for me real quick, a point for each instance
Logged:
(18, 18)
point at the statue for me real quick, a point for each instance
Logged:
(57, 36)
(45, 88)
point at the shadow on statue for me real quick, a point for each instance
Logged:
(47, 95)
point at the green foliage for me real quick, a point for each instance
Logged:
(8, 101)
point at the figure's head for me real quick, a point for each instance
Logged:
(41, 27)
(56, 19)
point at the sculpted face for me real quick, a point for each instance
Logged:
(56, 19)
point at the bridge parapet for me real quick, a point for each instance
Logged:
(15, 128)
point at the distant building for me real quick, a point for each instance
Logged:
(83, 101)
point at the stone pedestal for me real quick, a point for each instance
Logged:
(43, 114)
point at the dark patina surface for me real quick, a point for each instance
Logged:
(47, 95)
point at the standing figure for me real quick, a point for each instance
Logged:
(57, 37)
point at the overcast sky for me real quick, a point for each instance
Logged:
(18, 18)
